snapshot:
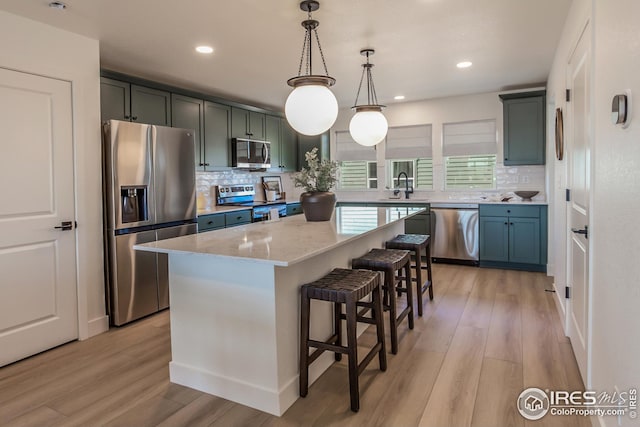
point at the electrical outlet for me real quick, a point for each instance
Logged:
(525, 179)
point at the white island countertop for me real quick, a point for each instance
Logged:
(287, 241)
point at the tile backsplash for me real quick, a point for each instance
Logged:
(206, 182)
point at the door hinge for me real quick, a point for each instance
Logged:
(567, 292)
(568, 95)
(567, 195)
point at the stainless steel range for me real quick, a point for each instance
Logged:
(244, 195)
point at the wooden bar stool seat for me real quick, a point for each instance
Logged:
(417, 243)
(342, 286)
(390, 261)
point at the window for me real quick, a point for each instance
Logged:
(356, 175)
(469, 150)
(419, 172)
(358, 168)
(408, 150)
(470, 172)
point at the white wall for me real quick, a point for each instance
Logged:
(614, 236)
(437, 112)
(616, 205)
(33, 47)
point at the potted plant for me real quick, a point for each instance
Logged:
(317, 179)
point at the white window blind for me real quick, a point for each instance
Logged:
(408, 142)
(347, 149)
(470, 172)
(424, 173)
(353, 175)
(470, 138)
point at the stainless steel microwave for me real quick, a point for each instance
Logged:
(250, 153)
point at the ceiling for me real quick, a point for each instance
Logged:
(258, 43)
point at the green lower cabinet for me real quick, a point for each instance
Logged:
(494, 239)
(513, 242)
(524, 240)
(418, 224)
(294, 209)
(223, 220)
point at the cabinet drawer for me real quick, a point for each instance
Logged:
(237, 218)
(294, 209)
(511, 210)
(210, 222)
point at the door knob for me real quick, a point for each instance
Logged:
(65, 226)
(584, 231)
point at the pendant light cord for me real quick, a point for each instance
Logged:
(371, 90)
(309, 25)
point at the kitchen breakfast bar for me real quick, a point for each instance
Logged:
(235, 299)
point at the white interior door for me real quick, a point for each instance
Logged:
(38, 302)
(578, 151)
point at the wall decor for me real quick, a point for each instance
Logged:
(559, 134)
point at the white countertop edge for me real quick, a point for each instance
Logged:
(274, 262)
(450, 201)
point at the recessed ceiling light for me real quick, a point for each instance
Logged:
(464, 64)
(204, 49)
(399, 97)
(57, 5)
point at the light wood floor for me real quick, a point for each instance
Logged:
(487, 335)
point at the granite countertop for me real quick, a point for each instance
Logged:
(286, 241)
(448, 201)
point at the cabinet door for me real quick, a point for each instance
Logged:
(217, 126)
(150, 106)
(288, 147)
(418, 224)
(307, 143)
(524, 240)
(273, 136)
(239, 123)
(494, 239)
(115, 100)
(524, 131)
(188, 113)
(257, 125)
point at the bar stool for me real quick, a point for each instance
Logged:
(342, 286)
(416, 243)
(390, 261)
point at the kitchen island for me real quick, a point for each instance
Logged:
(235, 299)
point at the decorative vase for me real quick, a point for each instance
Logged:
(318, 205)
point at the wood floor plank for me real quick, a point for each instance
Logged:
(477, 311)
(453, 396)
(201, 412)
(39, 417)
(456, 367)
(500, 385)
(505, 330)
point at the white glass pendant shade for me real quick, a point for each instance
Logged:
(311, 109)
(368, 128)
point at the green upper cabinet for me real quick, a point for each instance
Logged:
(217, 135)
(524, 128)
(115, 100)
(188, 113)
(307, 143)
(284, 147)
(125, 101)
(247, 124)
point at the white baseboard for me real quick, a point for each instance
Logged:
(97, 326)
(274, 402)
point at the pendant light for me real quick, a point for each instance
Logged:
(368, 126)
(311, 107)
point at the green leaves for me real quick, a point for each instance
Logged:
(318, 175)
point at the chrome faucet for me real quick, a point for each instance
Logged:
(408, 190)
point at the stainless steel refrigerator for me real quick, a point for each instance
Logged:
(149, 195)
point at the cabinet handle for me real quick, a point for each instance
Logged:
(127, 117)
(210, 222)
(206, 164)
(505, 223)
(238, 217)
(510, 223)
(134, 118)
(506, 158)
(200, 164)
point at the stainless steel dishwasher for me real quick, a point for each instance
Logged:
(454, 229)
